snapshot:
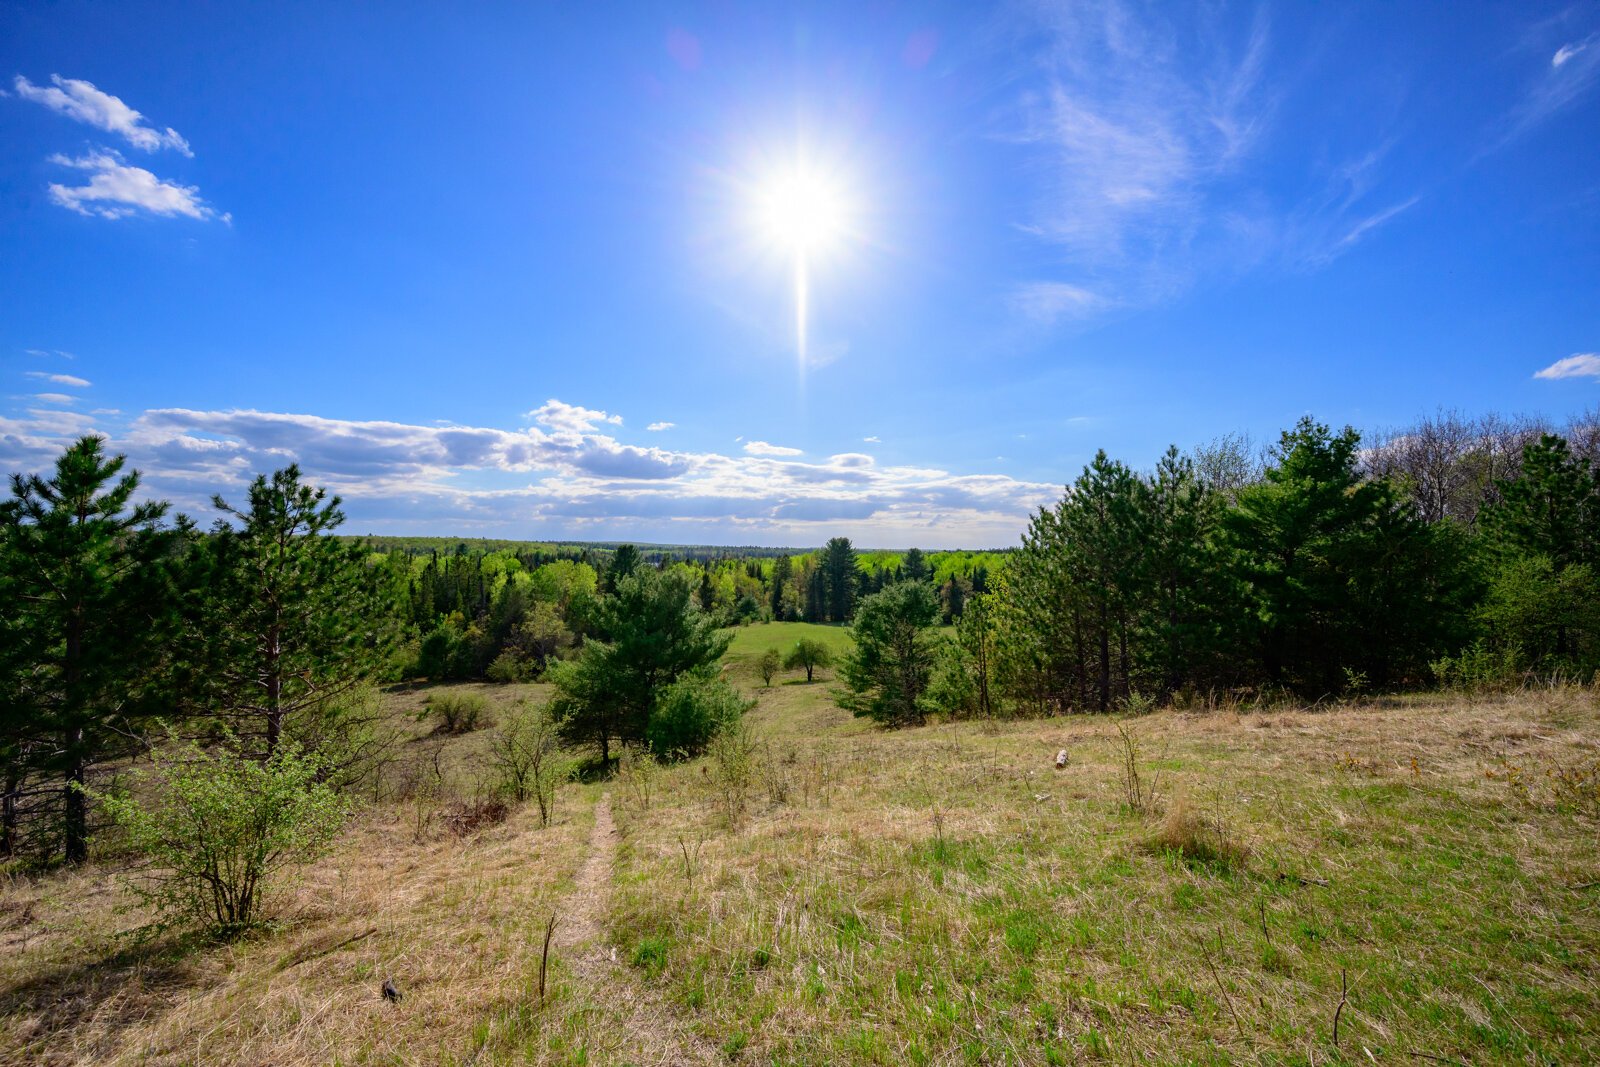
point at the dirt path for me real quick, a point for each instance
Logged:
(580, 935)
(653, 1032)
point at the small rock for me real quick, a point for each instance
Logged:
(1061, 760)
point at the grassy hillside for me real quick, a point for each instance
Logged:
(1425, 871)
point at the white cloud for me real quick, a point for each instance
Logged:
(1578, 365)
(55, 398)
(82, 102)
(45, 353)
(570, 418)
(1372, 222)
(539, 482)
(117, 190)
(1572, 71)
(658, 427)
(1047, 302)
(761, 448)
(58, 379)
(1144, 124)
(1138, 132)
(1567, 51)
(873, 440)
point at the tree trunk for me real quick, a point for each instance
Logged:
(77, 813)
(75, 825)
(274, 691)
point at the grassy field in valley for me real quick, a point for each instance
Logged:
(1421, 873)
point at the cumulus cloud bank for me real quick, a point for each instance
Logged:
(560, 478)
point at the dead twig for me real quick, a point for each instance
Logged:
(544, 957)
(1344, 998)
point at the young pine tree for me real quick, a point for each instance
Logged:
(85, 610)
(290, 616)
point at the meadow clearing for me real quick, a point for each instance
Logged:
(1398, 880)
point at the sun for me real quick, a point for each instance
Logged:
(802, 212)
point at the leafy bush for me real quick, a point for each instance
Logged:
(458, 713)
(508, 666)
(770, 661)
(218, 829)
(526, 751)
(691, 711)
(1479, 668)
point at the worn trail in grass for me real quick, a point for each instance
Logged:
(649, 1030)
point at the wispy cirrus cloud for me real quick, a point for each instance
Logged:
(1048, 302)
(1147, 127)
(116, 190)
(1572, 72)
(1577, 365)
(82, 102)
(543, 481)
(55, 398)
(58, 379)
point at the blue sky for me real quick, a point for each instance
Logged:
(504, 272)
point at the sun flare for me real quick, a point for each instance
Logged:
(802, 212)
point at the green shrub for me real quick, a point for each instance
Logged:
(458, 713)
(952, 689)
(691, 711)
(219, 829)
(1479, 668)
(526, 751)
(771, 661)
(508, 666)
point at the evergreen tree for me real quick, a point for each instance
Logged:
(708, 591)
(778, 594)
(1310, 537)
(817, 596)
(625, 562)
(915, 567)
(652, 636)
(84, 618)
(839, 577)
(291, 616)
(888, 670)
(1552, 508)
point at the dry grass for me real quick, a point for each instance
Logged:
(937, 895)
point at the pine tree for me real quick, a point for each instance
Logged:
(840, 578)
(777, 595)
(652, 637)
(916, 566)
(83, 618)
(888, 670)
(1552, 508)
(625, 562)
(292, 617)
